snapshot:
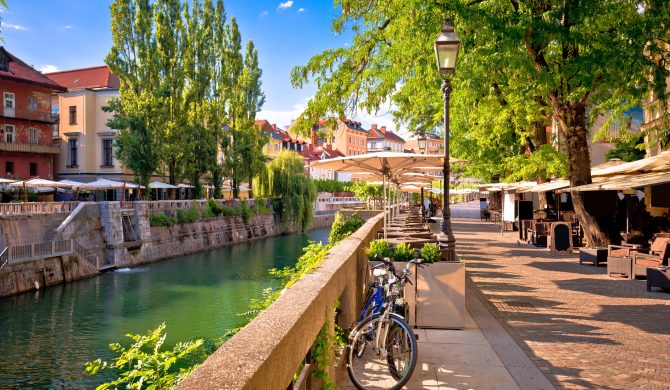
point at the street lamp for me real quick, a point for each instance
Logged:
(446, 53)
(422, 140)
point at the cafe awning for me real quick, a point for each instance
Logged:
(549, 186)
(658, 163)
(624, 182)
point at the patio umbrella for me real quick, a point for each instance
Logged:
(76, 186)
(388, 164)
(6, 181)
(36, 183)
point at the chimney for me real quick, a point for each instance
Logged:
(373, 127)
(383, 129)
(274, 127)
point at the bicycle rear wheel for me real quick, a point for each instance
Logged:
(389, 366)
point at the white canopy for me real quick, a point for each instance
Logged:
(658, 163)
(75, 184)
(182, 185)
(106, 184)
(159, 185)
(38, 183)
(387, 163)
(6, 181)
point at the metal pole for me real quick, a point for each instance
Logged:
(446, 239)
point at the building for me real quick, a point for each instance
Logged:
(656, 126)
(348, 136)
(434, 144)
(275, 140)
(26, 140)
(382, 140)
(86, 142)
(313, 153)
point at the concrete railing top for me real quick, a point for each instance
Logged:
(269, 350)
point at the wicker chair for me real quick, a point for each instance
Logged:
(657, 256)
(619, 259)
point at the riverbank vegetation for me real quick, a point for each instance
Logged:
(213, 209)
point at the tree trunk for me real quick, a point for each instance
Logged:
(251, 189)
(541, 139)
(572, 119)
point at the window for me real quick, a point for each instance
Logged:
(9, 168)
(32, 103)
(107, 153)
(9, 134)
(33, 169)
(73, 115)
(72, 144)
(34, 135)
(9, 104)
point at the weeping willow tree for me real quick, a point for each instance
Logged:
(284, 180)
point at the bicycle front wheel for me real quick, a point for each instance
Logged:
(381, 353)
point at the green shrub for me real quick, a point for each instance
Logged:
(403, 252)
(214, 207)
(161, 220)
(344, 226)
(430, 252)
(230, 211)
(187, 215)
(379, 248)
(245, 211)
(207, 213)
(145, 364)
(261, 207)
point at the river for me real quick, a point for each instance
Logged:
(47, 336)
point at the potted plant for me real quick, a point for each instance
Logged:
(430, 253)
(403, 252)
(379, 249)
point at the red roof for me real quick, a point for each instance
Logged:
(376, 133)
(312, 153)
(93, 77)
(18, 70)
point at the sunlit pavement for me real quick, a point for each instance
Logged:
(581, 328)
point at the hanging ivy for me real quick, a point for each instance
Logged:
(284, 179)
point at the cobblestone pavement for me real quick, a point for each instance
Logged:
(581, 328)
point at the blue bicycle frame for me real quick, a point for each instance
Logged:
(375, 301)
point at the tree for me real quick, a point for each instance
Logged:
(132, 57)
(284, 179)
(557, 58)
(628, 149)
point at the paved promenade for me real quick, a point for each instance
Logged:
(580, 328)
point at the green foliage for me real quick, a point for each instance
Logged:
(206, 213)
(365, 191)
(327, 185)
(214, 207)
(245, 211)
(629, 149)
(229, 211)
(323, 354)
(261, 207)
(344, 226)
(187, 215)
(145, 364)
(403, 252)
(285, 178)
(379, 249)
(430, 252)
(546, 161)
(161, 220)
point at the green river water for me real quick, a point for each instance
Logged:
(47, 336)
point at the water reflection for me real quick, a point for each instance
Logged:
(48, 335)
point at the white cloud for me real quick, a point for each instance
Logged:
(282, 119)
(16, 27)
(67, 27)
(48, 69)
(263, 14)
(285, 5)
(301, 10)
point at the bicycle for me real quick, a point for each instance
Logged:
(381, 352)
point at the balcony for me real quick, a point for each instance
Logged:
(36, 116)
(29, 148)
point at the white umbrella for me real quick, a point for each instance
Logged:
(38, 183)
(106, 184)
(74, 184)
(6, 181)
(159, 185)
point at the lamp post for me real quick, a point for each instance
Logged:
(446, 52)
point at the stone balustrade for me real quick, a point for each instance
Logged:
(270, 349)
(36, 208)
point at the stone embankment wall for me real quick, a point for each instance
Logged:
(22, 277)
(187, 238)
(100, 241)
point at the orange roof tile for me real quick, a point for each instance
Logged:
(93, 77)
(20, 71)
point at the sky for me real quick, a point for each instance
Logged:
(68, 34)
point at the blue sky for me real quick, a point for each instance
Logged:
(67, 34)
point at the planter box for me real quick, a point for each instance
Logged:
(439, 302)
